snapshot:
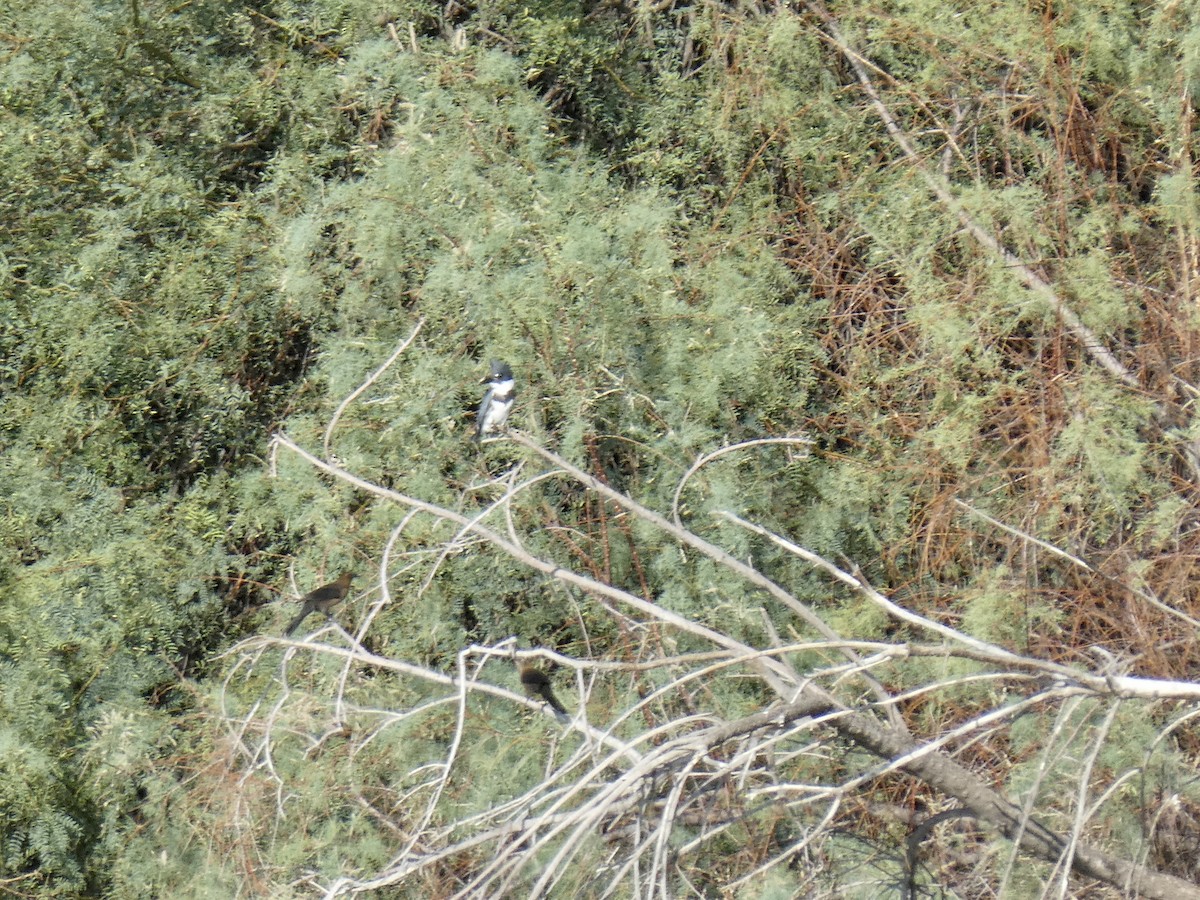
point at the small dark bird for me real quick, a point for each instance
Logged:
(537, 684)
(322, 599)
(497, 402)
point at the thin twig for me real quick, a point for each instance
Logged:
(709, 457)
(366, 384)
(1075, 560)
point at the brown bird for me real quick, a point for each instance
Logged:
(322, 599)
(537, 684)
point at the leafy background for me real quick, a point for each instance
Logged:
(685, 227)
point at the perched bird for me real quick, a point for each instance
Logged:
(321, 599)
(537, 684)
(497, 402)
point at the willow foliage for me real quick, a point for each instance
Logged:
(683, 227)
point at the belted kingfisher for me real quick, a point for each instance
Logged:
(498, 400)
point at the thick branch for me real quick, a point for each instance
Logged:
(947, 776)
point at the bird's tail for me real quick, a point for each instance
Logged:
(560, 711)
(296, 622)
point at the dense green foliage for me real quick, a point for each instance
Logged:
(685, 227)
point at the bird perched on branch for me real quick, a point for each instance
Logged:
(322, 599)
(497, 402)
(537, 684)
